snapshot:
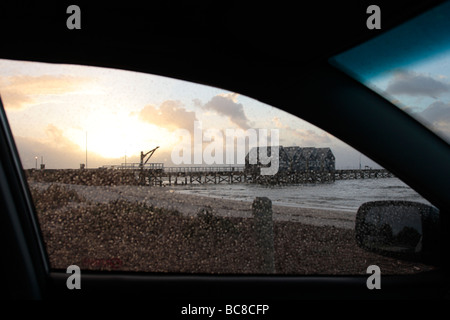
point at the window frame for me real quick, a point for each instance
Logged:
(25, 269)
(156, 286)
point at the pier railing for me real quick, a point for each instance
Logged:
(204, 169)
(136, 166)
(238, 174)
(157, 174)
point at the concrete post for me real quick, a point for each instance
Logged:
(263, 225)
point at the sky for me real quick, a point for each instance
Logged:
(60, 113)
(422, 90)
(63, 115)
(410, 66)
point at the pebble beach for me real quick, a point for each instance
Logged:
(159, 230)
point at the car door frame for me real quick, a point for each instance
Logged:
(30, 277)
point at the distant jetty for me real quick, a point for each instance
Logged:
(173, 176)
(295, 165)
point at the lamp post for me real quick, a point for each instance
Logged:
(360, 161)
(35, 158)
(86, 151)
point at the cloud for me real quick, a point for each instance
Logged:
(310, 137)
(408, 109)
(59, 152)
(197, 102)
(56, 149)
(227, 105)
(278, 124)
(437, 111)
(170, 115)
(56, 138)
(437, 115)
(20, 91)
(414, 84)
(302, 137)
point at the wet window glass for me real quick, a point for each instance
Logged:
(411, 72)
(137, 172)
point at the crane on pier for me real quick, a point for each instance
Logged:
(148, 155)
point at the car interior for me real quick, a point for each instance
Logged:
(279, 54)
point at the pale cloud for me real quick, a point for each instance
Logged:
(302, 136)
(415, 84)
(20, 91)
(59, 151)
(310, 137)
(278, 124)
(197, 102)
(437, 111)
(170, 115)
(437, 116)
(56, 138)
(409, 109)
(13, 99)
(56, 150)
(56, 156)
(227, 105)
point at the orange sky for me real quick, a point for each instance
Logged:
(52, 108)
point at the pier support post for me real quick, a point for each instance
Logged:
(263, 225)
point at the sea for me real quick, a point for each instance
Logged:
(341, 195)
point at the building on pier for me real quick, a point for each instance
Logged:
(292, 159)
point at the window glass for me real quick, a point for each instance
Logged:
(136, 172)
(409, 66)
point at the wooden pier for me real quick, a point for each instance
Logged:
(217, 175)
(362, 174)
(158, 175)
(197, 175)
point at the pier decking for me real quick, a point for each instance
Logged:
(158, 175)
(216, 175)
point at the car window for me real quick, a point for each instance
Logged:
(137, 172)
(412, 72)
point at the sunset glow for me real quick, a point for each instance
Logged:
(64, 114)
